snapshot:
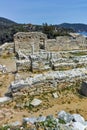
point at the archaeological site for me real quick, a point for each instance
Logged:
(41, 76)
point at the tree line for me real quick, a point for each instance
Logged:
(7, 32)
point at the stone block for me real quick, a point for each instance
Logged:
(35, 102)
(83, 89)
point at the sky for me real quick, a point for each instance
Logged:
(44, 11)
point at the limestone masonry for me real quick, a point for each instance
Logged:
(51, 61)
(35, 71)
(26, 41)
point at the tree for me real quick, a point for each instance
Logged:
(49, 30)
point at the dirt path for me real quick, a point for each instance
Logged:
(9, 62)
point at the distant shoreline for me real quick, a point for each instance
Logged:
(83, 33)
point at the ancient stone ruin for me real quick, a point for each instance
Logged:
(29, 42)
(74, 41)
(34, 41)
(41, 57)
(40, 53)
(44, 67)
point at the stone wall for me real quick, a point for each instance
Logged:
(7, 48)
(66, 43)
(25, 40)
(47, 82)
(29, 42)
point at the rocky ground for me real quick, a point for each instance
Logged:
(68, 99)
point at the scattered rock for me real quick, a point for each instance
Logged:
(3, 68)
(55, 95)
(17, 123)
(41, 119)
(51, 123)
(35, 102)
(4, 99)
(78, 118)
(64, 116)
(83, 89)
(31, 120)
(27, 104)
(78, 126)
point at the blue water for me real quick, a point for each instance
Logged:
(83, 33)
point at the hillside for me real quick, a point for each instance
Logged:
(8, 28)
(6, 22)
(76, 26)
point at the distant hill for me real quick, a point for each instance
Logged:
(6, 22)
(77, 27)
(8, 28)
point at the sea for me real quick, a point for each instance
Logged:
(83, 33)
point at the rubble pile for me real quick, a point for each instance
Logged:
(63, 121)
